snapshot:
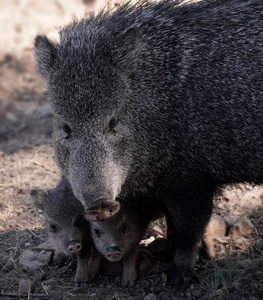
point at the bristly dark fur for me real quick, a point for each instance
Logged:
(161, 99)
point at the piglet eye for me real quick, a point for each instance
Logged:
(67, 131)
(112, 125)
(97, 232)
(124, 228)
(53, 228)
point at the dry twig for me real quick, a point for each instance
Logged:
(26, 295)
(36, 163)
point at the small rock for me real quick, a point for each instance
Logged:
(156, 231)
(242, 243)
(245, 263)
(34, 260)
(46, 245)
(27, 245)
(230, 219)
(197, 293)
(164, 277)
(254, 286)
(11, 117)
(24, 286)
(243, 227)
(150, 297)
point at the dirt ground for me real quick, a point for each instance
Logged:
(26, 162)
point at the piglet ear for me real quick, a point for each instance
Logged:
(38, 197)
(45, 54)
(124, 51)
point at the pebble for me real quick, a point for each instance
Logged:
(150, 297)
(254, 286)
(27, 245)
(164, 277)
(34, 261)
(24, 286)
(197, 293)
(243, 227)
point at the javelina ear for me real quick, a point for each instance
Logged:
(123, 51)
(45, 54)
(38, 197)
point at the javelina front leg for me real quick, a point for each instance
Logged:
(187, 218)
(82, 273)
(129, 269)
(88, 266)
(94, 263)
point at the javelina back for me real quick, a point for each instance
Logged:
(160, 99)
(118, 237)
(68, 230)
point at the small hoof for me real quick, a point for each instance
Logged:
(179, 278)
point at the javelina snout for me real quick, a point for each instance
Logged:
(101, 210)
(114, 254)
(74, 247)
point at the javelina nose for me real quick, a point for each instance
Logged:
(101, 210)
(113, 254)
(74, 247)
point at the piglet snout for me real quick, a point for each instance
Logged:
(74, 247)
(113, 254)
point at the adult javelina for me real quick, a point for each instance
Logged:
(68, 230)
(164, 100)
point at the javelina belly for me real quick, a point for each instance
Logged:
(160, 99)
(118, 237)
(68, 230)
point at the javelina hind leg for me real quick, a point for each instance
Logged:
(187, 217)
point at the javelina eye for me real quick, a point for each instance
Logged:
(67, 131)
(124, 228)
(97, 232)
(53, 228)
(112, 125)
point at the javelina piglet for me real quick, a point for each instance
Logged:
(161, 100)
(68, 230)
(118, 237)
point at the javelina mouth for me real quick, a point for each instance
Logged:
(102, 210)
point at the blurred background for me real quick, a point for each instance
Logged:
(26, 158)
